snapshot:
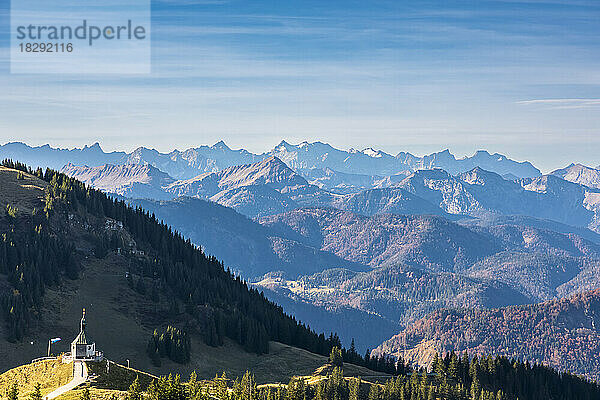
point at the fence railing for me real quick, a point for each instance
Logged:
(42, 359)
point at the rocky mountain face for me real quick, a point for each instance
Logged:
(270, 172)
(306, 156)
(562, 333)
(580, 174)
(127, 180)
(344, 183)
(263, 188)
(194, 161)
(484, 194)
(491, 162)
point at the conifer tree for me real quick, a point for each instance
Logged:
(335, 357)
(354, 389)
(135, 390)
(374, 392)
(85, 395)
(37, 392)
(13, 392)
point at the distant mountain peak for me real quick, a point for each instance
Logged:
(443, 156)
(221, 145)
(434, 173)
(272, 160)
(371, 152)
(480, 176)
(138, 180)
(580, 174)
(95, 146)
(283, 146)
(269, 163)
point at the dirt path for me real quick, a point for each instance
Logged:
(80, 375)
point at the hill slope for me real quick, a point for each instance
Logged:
(429, 242)
(563, 333)
(50, 374)
(369, 306)
(246, 246)
(452, 377)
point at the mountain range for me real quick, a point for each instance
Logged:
(366, 243)
(128, 180)
(330, 267)
(302, 157)
(580, 174)
(270, 187)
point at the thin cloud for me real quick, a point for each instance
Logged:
(563, 103)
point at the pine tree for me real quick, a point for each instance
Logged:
(135, 390)
(374, 392)
(85, 395)
(354, 389)
(37, 392)
(335, 357)
(194, 389)
(13, 392)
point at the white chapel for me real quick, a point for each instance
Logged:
(82, 348)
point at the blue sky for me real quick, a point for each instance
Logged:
(516, 77)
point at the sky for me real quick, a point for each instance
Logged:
(520, 78)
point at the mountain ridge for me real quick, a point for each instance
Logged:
(304, 156)
(581, 174)
(140, 180)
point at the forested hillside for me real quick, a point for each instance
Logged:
(560, 333)
(430, 242)
(386, 298)
(453, 377)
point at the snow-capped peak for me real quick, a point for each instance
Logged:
(372, 152)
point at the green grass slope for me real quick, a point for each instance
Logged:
(50, 374)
